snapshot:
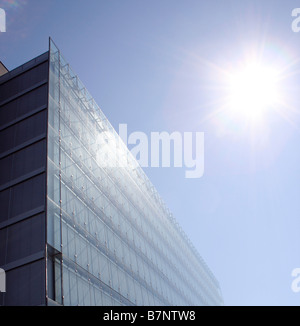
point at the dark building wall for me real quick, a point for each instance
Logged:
(23, 159)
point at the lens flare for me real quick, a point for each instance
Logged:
(13, 4)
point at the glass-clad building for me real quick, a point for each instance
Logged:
(104, 235)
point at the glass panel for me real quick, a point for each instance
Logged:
(119, 242)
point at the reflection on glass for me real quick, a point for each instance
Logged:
(117, 241)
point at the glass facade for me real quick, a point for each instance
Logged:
(110, 238)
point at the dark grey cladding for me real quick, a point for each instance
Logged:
(23, 158)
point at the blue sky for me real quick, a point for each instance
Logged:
(157, 66)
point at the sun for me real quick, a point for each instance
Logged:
(253, 90)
